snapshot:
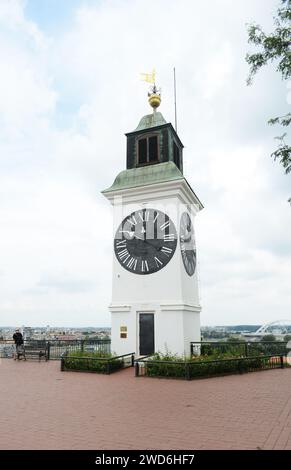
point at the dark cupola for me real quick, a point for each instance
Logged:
(154, 141)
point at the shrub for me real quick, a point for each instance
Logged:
(254, 348)
(269, 337)
(167, 365)
(266, 348)
(86, 361)
(223, 348)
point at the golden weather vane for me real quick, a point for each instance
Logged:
(154, 93)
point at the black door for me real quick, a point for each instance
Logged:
(146, 334)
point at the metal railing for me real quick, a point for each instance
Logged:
(198, 369)
(103, 365)
(56, 348)
(238, 348)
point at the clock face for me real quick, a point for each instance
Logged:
(145, 241)
(187, 243)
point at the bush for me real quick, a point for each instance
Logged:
(269, 337)
(224, 367)
(254, 348)
(86, 361)
(266, 348)
(223, 348)
(167, 365)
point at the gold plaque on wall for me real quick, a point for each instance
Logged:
(123, 332)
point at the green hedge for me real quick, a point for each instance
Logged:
(172, 366)
(85, 361)
(254, 348)
(156, 369)
(224, 367)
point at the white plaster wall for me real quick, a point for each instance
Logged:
(191, 329)
(123, 345)
(169, 332)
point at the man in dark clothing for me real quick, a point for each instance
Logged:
(18, 340)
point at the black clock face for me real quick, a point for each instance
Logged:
(187, 243)
(145, 241)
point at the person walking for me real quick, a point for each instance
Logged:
(18, 340)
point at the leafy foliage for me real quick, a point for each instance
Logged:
(172, 366)
(253, 348)
(274, 47)
(88, 361)
(269, 337)
(221, 359)
(222, 350)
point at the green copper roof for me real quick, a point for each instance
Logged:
(151, 120)
(145, 175)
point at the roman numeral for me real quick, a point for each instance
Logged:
(123, 254)
(120, 243)
(144, 216)
(166, 250)
(165, 225)
(169, 237)
(157, 215)
(132, 263)
(132, 220)
(144, 266)
(158, 262)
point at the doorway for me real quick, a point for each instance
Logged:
(146, 334)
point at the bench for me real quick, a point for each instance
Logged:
(34, 350)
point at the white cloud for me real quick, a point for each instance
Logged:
(65, 102)
(12, 18)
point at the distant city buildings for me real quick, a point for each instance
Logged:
(54, 333)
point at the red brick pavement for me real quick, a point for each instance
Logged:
(43, 408)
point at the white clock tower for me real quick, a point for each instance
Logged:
(155, 302)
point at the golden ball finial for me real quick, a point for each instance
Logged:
(154, 97)
(154, 100)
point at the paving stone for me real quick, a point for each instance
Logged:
(44, 408)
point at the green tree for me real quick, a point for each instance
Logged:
(287, 338)
(274, 47)
(235, 339)
(269, 337)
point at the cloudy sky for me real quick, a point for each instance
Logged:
(70, 89)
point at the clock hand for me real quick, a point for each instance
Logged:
(127, 231)
(139, 238)
(149, 243)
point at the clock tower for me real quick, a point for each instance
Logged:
(155, 302)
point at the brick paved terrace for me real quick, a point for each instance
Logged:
(43, 408)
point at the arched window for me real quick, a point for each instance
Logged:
(148, 150)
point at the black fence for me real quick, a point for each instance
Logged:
(56, 348)
(101, 365)
(238, 348)
(196, 369)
